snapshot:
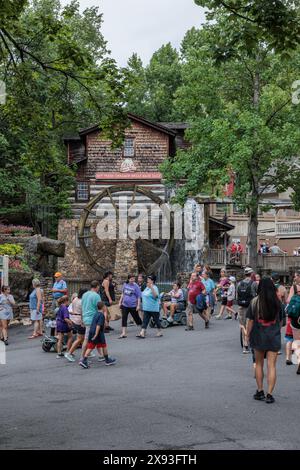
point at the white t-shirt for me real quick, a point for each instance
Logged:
(231, 292)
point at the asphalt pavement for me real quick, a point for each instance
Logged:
(186, 390)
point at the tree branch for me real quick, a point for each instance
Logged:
(277, 111)
(232, 10)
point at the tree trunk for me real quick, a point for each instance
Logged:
(252, 235)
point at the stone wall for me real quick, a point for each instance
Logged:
(73, 265)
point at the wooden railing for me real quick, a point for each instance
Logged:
(287, 228)
(279, 263)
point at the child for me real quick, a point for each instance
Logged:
(63, 325)
(230, 299)
(97, 339)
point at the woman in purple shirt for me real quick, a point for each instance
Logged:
(130, 303)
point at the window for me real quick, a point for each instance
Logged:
(82, 191)
(87, 235)
(129, 150)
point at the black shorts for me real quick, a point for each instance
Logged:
(224, 301)
(78, 329)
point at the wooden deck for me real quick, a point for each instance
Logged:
(282, 264)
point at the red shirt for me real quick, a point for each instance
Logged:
(195, 288)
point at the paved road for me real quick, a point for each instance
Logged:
(187, 390)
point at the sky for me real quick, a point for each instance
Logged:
(142, 26)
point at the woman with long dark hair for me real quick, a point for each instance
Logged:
(264, 316)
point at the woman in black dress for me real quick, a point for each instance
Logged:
(264, 334)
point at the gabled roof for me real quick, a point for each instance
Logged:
(221, 224)
(132, 117)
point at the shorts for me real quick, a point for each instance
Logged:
(91, 345)
(224, 301)
(6, 316)
(242, 316)
(78, 329)
(191, 308)
(230, 303)
(288, 339)
(63, 329)
(35, 315)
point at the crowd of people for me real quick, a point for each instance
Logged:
(261, 305)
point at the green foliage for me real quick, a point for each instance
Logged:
(241, 115)
(276, 22)
(59, 78)
(150, 91)
(11, 249)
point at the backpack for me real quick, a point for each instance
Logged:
(293, 311)
(201, 302)
(244, 293)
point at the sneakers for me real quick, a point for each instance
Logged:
(189, 328)
(246, 350)
(288, 362)
(60, 355)
(70, 357)
(270, 398)
(259, 395)
(84, 363)
(170, 319)
(110, 361)
(229, 317)
(101, 359)
(218, 317)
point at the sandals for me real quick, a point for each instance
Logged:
(33, 336)
(122, 337)
(140, 336)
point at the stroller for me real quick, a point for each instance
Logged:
(49, 341)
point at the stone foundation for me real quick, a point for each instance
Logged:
(73, 265)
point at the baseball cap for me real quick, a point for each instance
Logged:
(275, 276)
(232, 279)
(58, 274)
(248, 270)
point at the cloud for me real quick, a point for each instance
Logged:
(142, 26)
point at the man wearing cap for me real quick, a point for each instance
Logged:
(59, 289)
(246, 291)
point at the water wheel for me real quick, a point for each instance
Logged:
(152, 253)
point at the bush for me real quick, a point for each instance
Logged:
(11, 249)
(15, 230)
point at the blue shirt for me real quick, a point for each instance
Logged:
(98, 320)
(89, 307)
(150, 303)
(209, 285)
(61, 285)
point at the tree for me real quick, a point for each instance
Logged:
(276, 22)
(150, 91)
(242, 121)
(59, 78)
